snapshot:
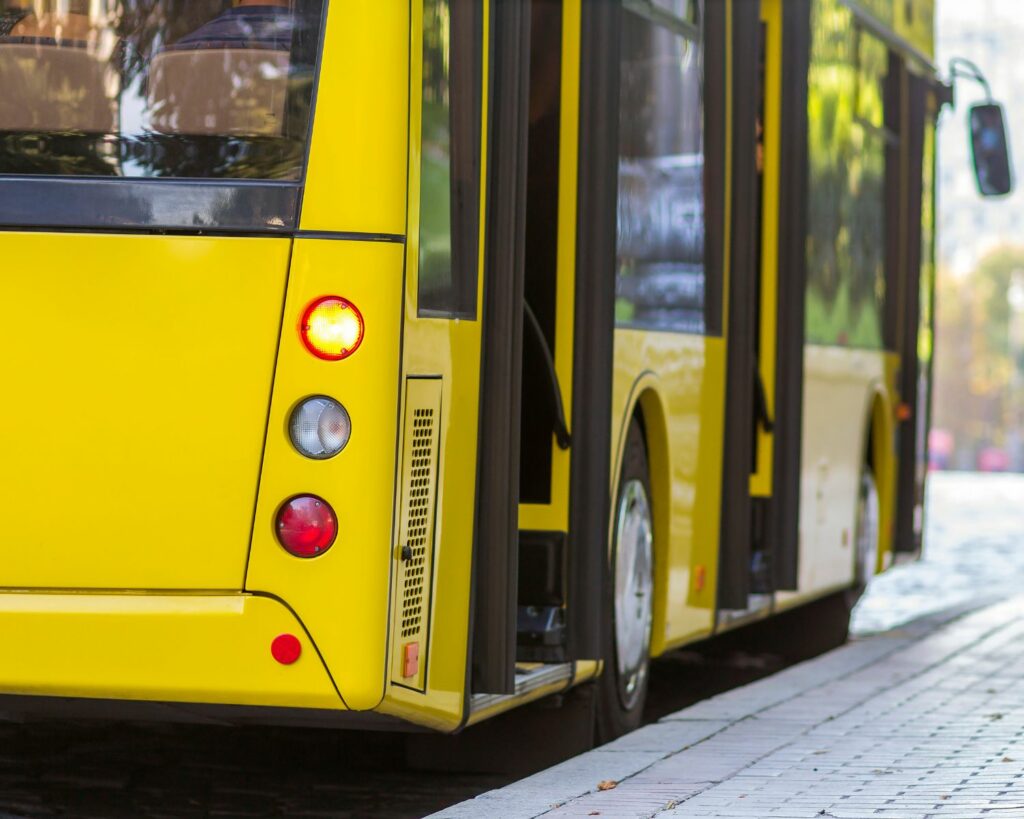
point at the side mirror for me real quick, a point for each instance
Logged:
(990, 149)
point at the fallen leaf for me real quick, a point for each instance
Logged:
(594, 813)
(606, 784)
(1007, 759)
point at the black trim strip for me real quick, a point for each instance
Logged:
(487, 126)
(589, 592)
(895, 82)
(744, 293)
(909, 482)
(714, 167)
(350, 236)
(782, 527)
(150, 204)
(496, 539)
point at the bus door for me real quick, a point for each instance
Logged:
(541, 534)
(747, 437)
(761, 471)
(571, 173)
(453, 442)
(545, 410)
(484, 311)
(476, 350)
(915, 325)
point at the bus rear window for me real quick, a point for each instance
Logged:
(212, 89)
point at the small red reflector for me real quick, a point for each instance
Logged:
(410, 659)
(286, 648)
(699, 576)
(306, 526)
(332, 328)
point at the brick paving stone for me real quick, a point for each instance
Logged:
(920, 723)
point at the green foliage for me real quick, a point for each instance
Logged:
(846, 192)
(991, 284)
(979, 358)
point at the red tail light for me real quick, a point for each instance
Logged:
(306, 526)
(332, 328)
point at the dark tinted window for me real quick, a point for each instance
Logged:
(660, 278)
(450, 157)
(157, 88)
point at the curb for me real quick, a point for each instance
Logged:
(773, 704)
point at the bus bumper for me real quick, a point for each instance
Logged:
(189, 648)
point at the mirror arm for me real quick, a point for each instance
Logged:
(945, 94)
(963, 69)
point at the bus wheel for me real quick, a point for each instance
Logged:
(623, 684)
(866, 532)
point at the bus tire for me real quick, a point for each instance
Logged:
(622, 688)
(866, 533)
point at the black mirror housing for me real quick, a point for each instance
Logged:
(990, 149)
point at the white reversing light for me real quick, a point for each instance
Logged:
(319, 427)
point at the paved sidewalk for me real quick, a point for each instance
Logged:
(925, 721)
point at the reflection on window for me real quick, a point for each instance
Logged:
(436, 157)
(157, 88)
(660, 275)
(680, 9)
(450, 157)
(846, 196)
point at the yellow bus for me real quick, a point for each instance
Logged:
(404, 362)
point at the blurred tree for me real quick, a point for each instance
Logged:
(979, 363)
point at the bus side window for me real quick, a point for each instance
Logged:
(848, 147)
(660, 277)
(450, 158)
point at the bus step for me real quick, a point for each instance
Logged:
(541, 634)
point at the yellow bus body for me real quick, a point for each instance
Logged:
(149, 379)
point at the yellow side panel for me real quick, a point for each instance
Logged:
(771, 15)
(357, 164)
(678, 382)
(839, 388)
(342, 595)
(136, 377)
(883, 430)
(410, 617)
(448, 350)
(555, 515)
(915, 23)
(166, 648)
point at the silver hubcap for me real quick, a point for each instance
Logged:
(633, 590)
(867, 528)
